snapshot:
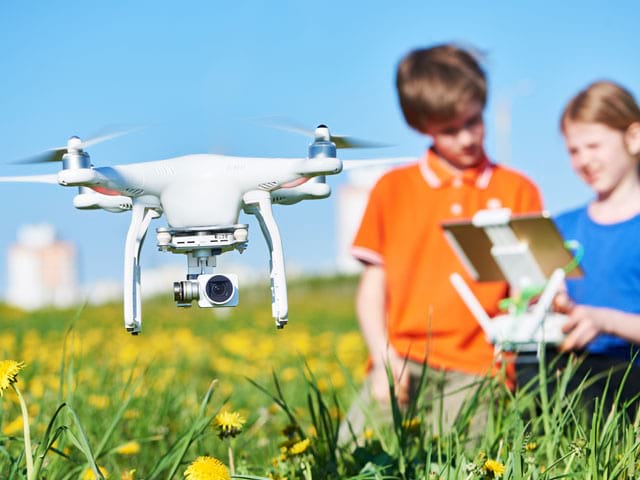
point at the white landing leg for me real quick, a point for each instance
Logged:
(141, 216)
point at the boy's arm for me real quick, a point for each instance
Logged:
(371, 312)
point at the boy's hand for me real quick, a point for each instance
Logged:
(583, 325)
(380, 381)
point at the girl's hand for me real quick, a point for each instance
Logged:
(583, 325)
(562, 303)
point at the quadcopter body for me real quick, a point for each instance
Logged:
(201, 197)
(189, 190)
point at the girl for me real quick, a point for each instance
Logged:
(601, 127)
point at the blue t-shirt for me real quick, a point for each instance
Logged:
(611, 266)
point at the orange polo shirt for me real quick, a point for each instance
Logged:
(401, 231)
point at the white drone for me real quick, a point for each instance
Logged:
(202, 196)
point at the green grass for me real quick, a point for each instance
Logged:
(91, 388)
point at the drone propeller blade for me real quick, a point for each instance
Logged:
(51, 155)
(341, 141)
(288, 125)
(56, 154)
(51, 178)
(350, 164)
(108, 136)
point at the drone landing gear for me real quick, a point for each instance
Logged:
(141, 217)
(258, 203)
(202, 245)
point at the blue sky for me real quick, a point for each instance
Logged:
(198, 74)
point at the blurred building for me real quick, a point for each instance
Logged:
(154, 281)
(41, 269)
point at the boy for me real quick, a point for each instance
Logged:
(406, 307)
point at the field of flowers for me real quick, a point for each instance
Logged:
(212, 395)
(138, 398)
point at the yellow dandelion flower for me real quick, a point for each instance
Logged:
(132, 414)
(13, 427)
(129, 448)
(368, 434)
(531, 446)
(9, 370)
(207, 468)
(335, 413)
(323, 385)
(285, 445)
(494, 467)
(89, 475)
(288, 374)
(99, 402)
(229, 424)
(300, 447)
(412, 424)
(128, 475)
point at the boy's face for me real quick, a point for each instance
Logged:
(600, 156)
(460, 141)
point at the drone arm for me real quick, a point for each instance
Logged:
(90, 200)
(258, 203)
(141, 216)
(311, 190)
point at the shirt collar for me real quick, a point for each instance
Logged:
(438, 174)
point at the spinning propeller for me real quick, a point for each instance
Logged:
(340, 141)
(73, 144)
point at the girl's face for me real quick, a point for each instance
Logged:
(600, 155)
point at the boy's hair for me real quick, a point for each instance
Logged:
(437, 84)
(603, 102)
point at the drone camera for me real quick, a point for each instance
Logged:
(211, 291)
(218, 290)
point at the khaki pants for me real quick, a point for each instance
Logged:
(445, 395)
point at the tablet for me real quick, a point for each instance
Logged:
(538, 232)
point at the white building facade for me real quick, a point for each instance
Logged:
(41, 269)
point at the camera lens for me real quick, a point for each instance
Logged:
(219, 289)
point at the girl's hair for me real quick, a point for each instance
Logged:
(602, 102)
